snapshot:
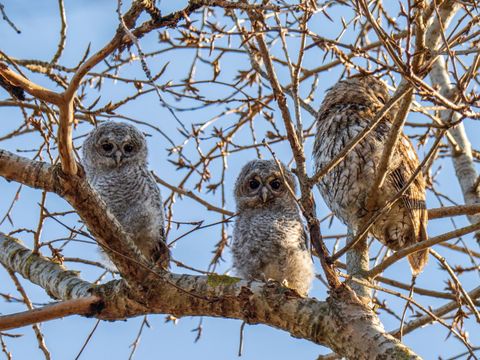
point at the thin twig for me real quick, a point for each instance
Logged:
(87, 340)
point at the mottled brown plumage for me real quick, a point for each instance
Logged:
(346, 110)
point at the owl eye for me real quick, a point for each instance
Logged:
(275, 184)
(254, 184)
(381, 98)
(128, 148)
(107, 147)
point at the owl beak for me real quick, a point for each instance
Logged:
(118, 157)
(264, 194)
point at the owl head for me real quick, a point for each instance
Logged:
(114, 145)
(358, 89)
(261, 184)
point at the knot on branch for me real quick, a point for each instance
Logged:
(64, 183)
(344, 296)
(249, 310)
(118, 297)
(15, 91)
(96, 308)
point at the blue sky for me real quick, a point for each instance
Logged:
(94, 23)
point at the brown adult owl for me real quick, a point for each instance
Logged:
(347, 109)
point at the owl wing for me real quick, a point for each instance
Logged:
(160, 253)
(413, 199)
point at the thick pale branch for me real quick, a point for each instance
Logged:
(54, 278)
(446, 12)
(341, 322)
(462, 153)
(93, 211)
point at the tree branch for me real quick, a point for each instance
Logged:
(30, 87)
(448, 211)
(307, 201)
(420, 246)
(340, 322)
(441, 311)
(82, 306)
(93, 211)
(462, 153)
(58, 282)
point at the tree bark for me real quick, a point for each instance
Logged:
(89, 206)
(341, 322)
(461, 151)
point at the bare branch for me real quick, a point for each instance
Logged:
(82, 306)
(420, 246)
(30, 87)
(74, 189)
(453, 211)
(226, 297)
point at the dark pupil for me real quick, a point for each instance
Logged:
(275, 184)
(107, 147)
(254, 184)
(128, 148)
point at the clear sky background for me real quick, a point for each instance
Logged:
(94, 23)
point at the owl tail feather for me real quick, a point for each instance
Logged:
(418, 260)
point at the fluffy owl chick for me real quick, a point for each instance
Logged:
(269, 240)
(115, 161)
(347, 109)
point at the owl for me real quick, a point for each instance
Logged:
(115, 162)
(347, 109)
(269, 239)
